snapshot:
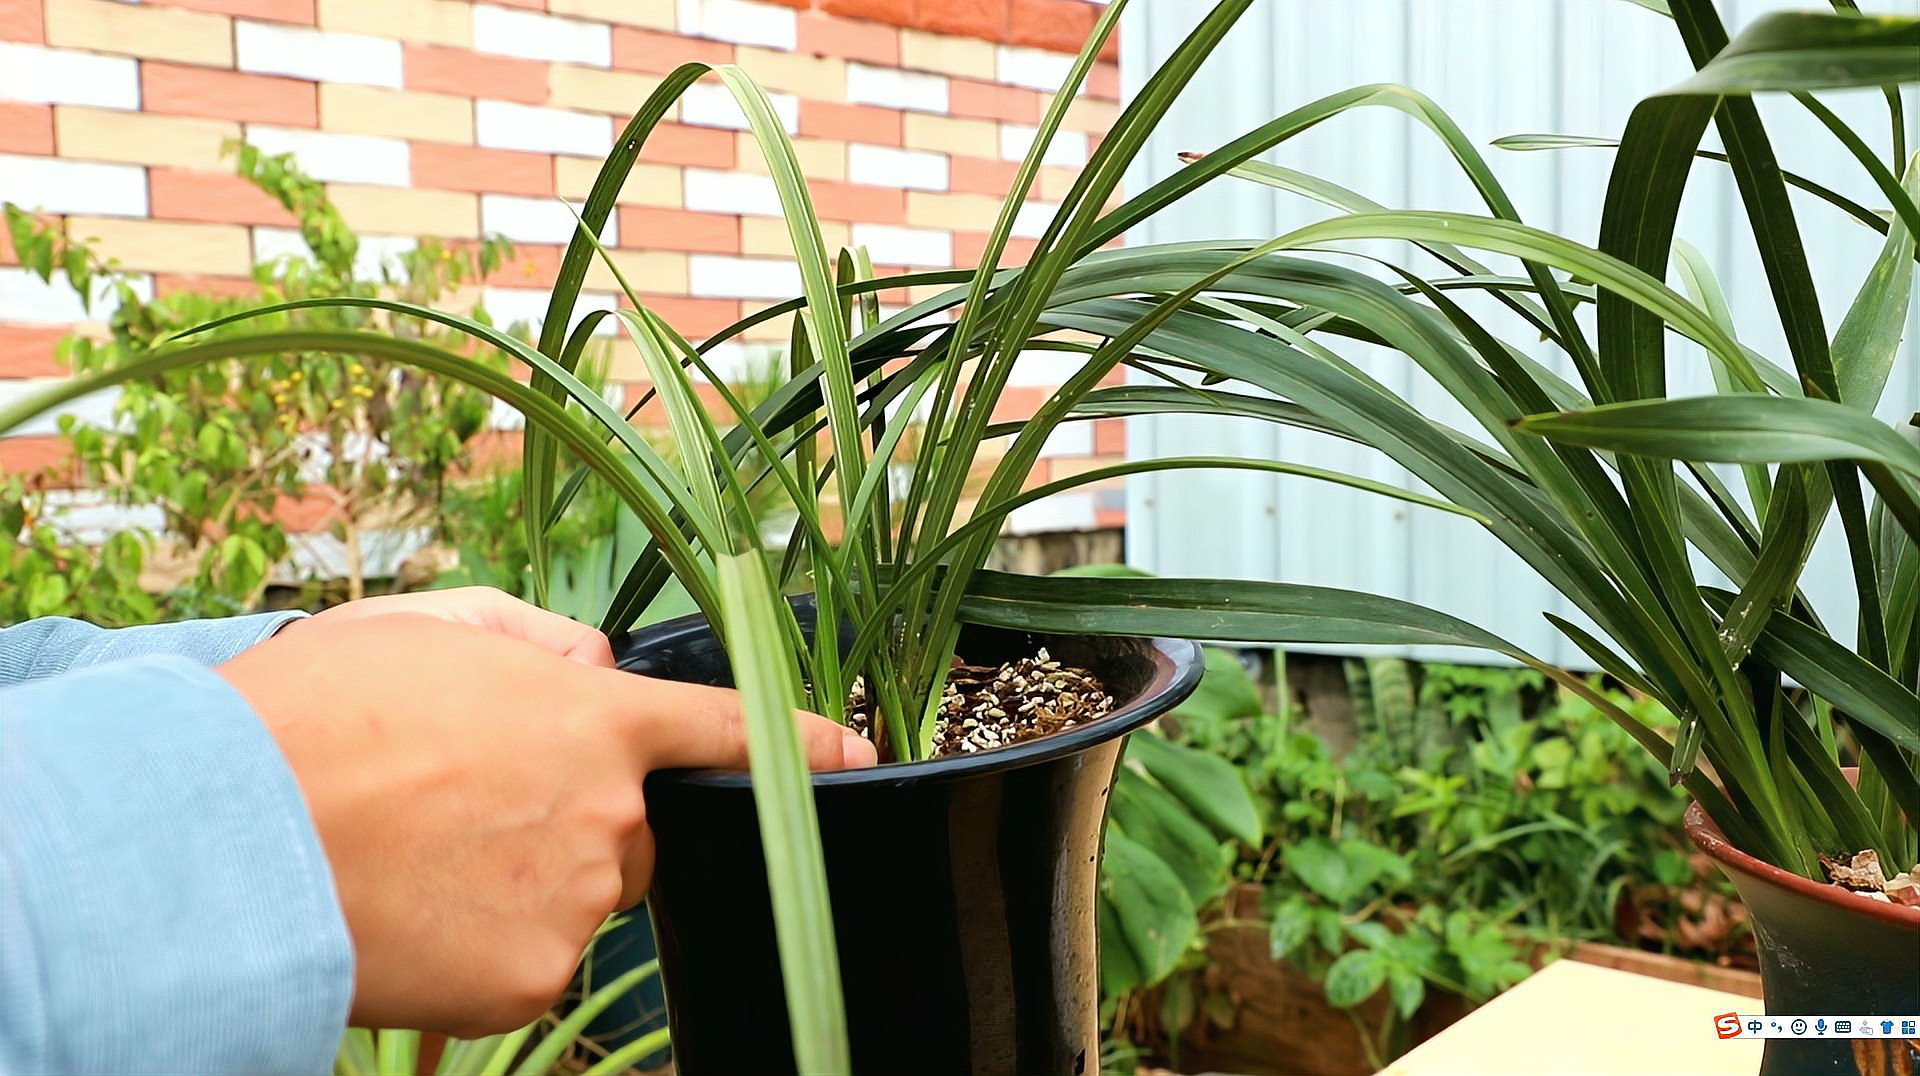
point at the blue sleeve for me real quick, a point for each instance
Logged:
(52, 645)
(165, 904)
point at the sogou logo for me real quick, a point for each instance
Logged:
(1727, 1025)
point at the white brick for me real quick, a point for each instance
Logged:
(742, 364)
(505, 125)
(720, 276)
(1068, 439)
(1034, 68)
(731, 192)
(884, 166)
(320, 555)
(739, 21)
(710, 104)
(508, 306)
(376, 254)
(536, 220)
(51, 185)
(890, 245)
(95, 409)
(541, 37)
(1044, 369)
(1033, 218)
(90, 518)
(1060, 512)
(26, 299)
(890, 87)
(61, 77)
(338, 158)
(320, 55)
(1068, 148)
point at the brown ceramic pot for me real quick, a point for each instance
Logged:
(1824, 951)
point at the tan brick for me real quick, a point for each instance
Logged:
(967, 57)
(820, 158)
(599, 90)
(1056, 180)
(409, 114)
(167, 247)
(652, 14)
(817, 78)
(647, 184)
(944, 134)
(967, 212)
(140, 138)
(426, 22)
(768, 236)
(774, 330)
(646, 271)
(1091, 115)
(406, 211)
(158, 33)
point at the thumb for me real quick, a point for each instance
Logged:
(692, 726)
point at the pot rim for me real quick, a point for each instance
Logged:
(1708, 838)
(1177, 667)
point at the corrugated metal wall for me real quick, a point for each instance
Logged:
(1498, 67)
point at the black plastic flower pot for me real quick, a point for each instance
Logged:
(1824, 951)
(963, 888)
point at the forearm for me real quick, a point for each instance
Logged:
(165, 903)
(53, 645)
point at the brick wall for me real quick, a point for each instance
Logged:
(457, 119)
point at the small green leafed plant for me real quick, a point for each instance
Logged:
(1577, 479)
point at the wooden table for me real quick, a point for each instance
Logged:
(1575, 1019)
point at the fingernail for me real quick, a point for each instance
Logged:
(857, 752)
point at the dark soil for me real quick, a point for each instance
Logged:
(991, 706)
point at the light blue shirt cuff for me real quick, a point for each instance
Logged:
(53, 645)
(165, 903)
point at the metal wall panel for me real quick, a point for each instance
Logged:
(1498, 67)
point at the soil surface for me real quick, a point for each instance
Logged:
(1863, 874)
(990, 706)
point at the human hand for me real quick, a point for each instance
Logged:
(488, 608)
(479, 799)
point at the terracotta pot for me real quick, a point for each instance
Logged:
(1824, 951)
(963, 888)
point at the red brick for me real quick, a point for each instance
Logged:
(651, 228)
(300, 11)
(22, 20)
(978, 175)
(676, 143)
(1061, 25)
(532, 266)
(973, 18)
(849, 39)
(26, 128)
(801, 4)
(871, 205)
(991, 101)
(695, 319)
(1017, 402)
(897, 12)
(1104, 81)
(1110, 50)
(649, 50)
(27, 350)
(970, 248)
(851, 123)
(1109, 436)
(34, 455)
(466, 73)
(472, 168)
(212, 197)
(228, 95)
(238, 287)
